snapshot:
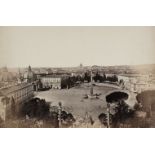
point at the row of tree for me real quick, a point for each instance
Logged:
(73, 80)
(100, 78)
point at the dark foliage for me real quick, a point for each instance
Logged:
(53, 119)
(87, 77)
(137, 106)
(99, 78)
(147, 100)
(116, 97)
(122, 112)
(71, 81)
(35, 108)
(69, 119)
(113, 78)
(103, 118)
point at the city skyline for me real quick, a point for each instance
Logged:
(70, 46)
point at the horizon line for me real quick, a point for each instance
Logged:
(76, 66)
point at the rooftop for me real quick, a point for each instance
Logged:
(10, 88)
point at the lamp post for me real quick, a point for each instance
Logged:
(108, 115)
(59, 114)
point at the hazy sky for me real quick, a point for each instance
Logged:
(70, 46)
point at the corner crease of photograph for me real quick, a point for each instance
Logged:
(70, 46)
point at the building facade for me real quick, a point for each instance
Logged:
(51, 81)
(12, 97)
(134, 83)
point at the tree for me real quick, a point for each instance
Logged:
(116, 96)
(35, 108)
(87, 77)
(99, 78)
(147, 99)
(104, 77)
(112, 78)
(122, 110)
(104, 118)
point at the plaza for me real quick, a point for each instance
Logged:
(73, 100)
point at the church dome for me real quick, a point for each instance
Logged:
(6, 76)
(29, 75)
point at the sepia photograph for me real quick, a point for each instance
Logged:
(77, 76)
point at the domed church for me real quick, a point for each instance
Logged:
(6, 76)
(29, 75)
